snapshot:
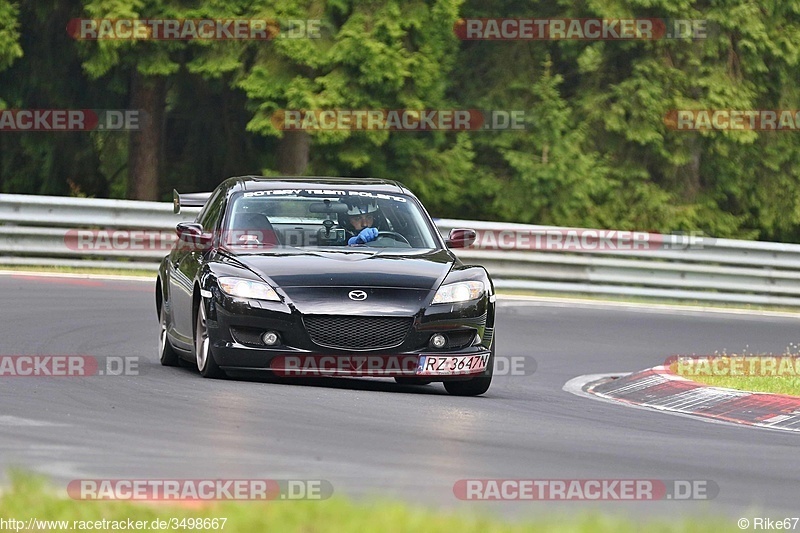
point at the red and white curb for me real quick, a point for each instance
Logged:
(659, 389)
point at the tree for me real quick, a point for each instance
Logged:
(9, 34)
(372, 55)
(145, 66)
(49, 76)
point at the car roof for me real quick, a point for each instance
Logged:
(261, 183)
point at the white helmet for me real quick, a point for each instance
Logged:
(362, 208)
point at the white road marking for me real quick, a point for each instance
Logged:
(8, 420)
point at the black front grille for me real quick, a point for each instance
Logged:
(357, 332)
(459, 339)
(247, 336)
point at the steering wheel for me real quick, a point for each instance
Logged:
(394, 235)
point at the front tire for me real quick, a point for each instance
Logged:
(206, 363)
(166, 354)
(474, 386)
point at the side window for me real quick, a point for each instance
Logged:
(210, 214)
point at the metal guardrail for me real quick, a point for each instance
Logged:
(36, 230)
(41, 230)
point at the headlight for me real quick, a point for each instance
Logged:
(245, 288)
(463, 291)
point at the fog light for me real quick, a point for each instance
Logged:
(438, 341)
(270, 338)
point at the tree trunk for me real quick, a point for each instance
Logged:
(148, 97)
(689, 181)
(293, 153)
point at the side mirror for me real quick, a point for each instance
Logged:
(191, 234)
(461, 238)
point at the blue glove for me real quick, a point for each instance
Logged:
(366, 235)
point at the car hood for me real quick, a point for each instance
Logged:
(320, 282)
(423, 270)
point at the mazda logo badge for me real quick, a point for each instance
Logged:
(357, 295)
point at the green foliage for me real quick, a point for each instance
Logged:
(151, 58)
(597, 150)
(9, 34)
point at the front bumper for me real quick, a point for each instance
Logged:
(235, 326)
(427, 366)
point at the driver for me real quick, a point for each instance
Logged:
(359, 223)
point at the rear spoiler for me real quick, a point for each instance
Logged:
(195, 199)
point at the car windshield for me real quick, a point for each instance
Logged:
(306, 218)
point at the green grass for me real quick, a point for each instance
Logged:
(81, 270)
(749, 377)
(29, 497)
(775, 385)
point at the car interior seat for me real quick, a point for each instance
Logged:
(251, 227)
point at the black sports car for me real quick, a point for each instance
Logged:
(324, 277)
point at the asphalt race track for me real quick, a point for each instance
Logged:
(373, 438)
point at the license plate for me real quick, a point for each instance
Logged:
(436, 365)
